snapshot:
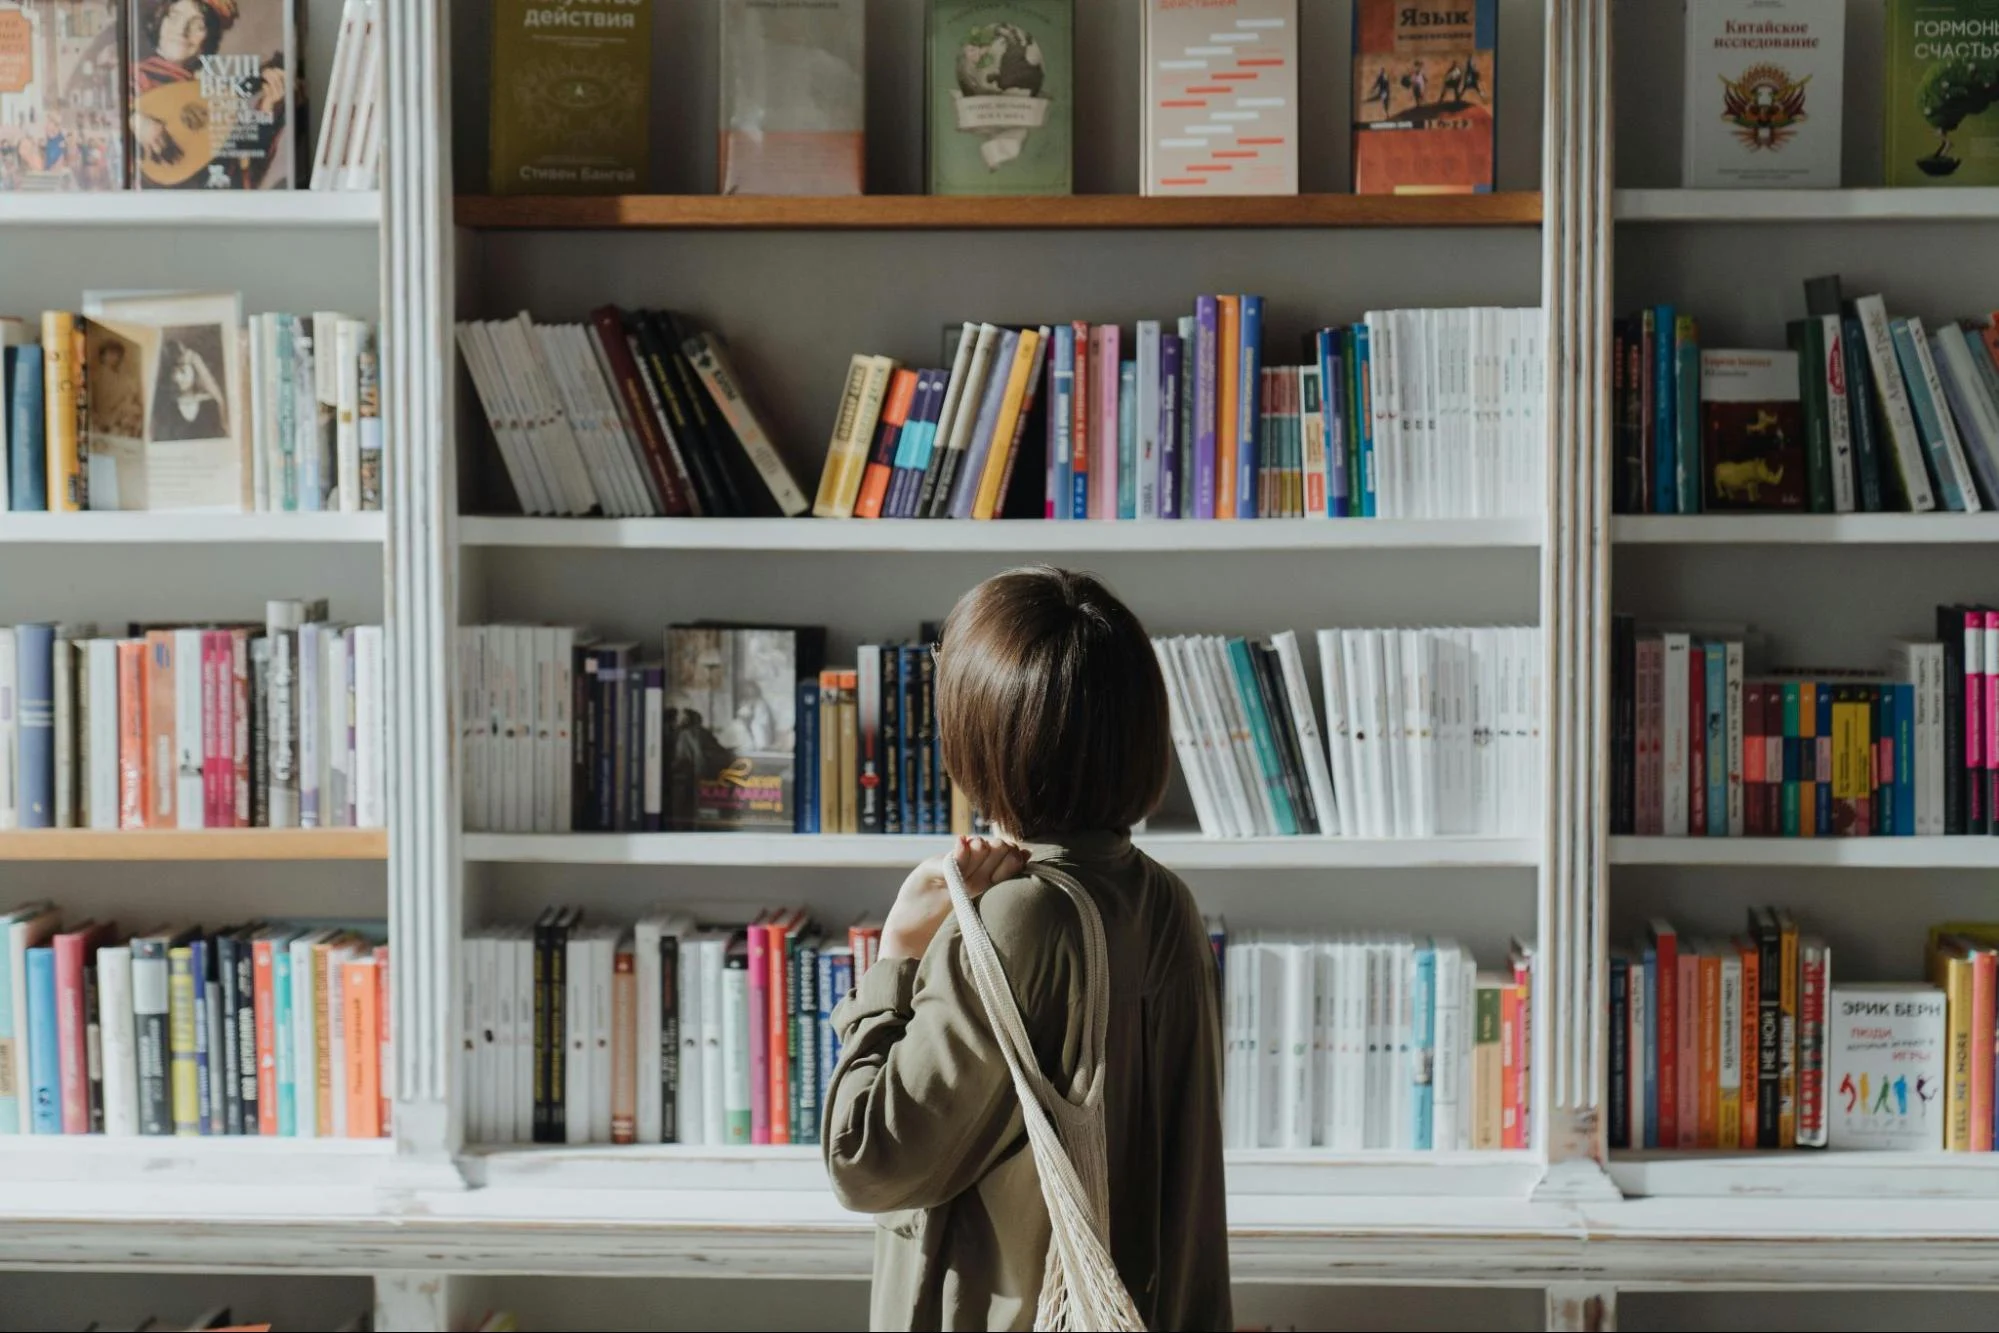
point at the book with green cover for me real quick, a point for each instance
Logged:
(571, 96)
(1942, 83)
(1001, 97)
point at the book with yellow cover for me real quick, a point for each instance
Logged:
(1022, 378)
(62, 406)
(1708, 1122)
(183, 1043)
(571, 99)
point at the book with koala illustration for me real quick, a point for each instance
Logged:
(1752, 430)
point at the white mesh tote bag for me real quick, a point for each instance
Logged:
(1080, 1287)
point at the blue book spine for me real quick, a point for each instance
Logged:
(1332, 409)
(286, 1071)
(1249, 410)
(1127, 441)
(1818, 762)
(205, 1060)
(1061, 434)
(1651, 1055)
(1905, 760)
(823, 990)
(44, 1075)
(1206, 374)
(1929, 425)
(34, 646)
(1423, 1035)
(1172, 363)
(27, 456)
(1717, 741)
(805, 818)
(843, 985)
(1364, 415)
(1664, 395)
(1687, 421)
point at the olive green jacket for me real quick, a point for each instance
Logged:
(923, 1128)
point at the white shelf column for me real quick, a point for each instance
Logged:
(1575, 286)
(425, 885)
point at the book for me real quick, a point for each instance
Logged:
(1424, 90)
(1764, 94)
(793, 76)
(731, 748)
(1886, 1067)
(1221, 98)
(1937, 126)
(1000, 94)
(215, 94)
(1752, 430)
(66, 92)
(572, 97)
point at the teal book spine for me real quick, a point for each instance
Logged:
(1664, 440)
(44, 1071)
(1265, 739)
(1928, 424)
(1001, 97)
(1127, 441)
(284, 1054)
(1423, 1061)
(1716, 723)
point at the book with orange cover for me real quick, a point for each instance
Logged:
(264, 1004)
(1708, 1130)
(1228, 392)
(1752, 980)
(134, 792)
(1787, 1027)
(161, 763)
(777, 1018)
(362, 1036)
(384, 1047)
(881, 468)
(1510, 1129)
(321, 1054)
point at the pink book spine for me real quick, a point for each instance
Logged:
(1991, 774)
(759, 1047)
(239, 741)
(72, 1055)
(1104, 467)
(210, 751)
(1974, 712)
(225, 729)
(1688, 1037)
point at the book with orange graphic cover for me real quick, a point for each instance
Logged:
(1425, 96)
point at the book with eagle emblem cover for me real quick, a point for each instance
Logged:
(1764, 93)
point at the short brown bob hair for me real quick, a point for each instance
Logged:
(1050, 706)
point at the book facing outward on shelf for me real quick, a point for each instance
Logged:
(65, 88)
(793, 76)
(1425, 96)
(1000, 78)
(216, 94)
(572, 96)
(1764, 93)
(1221, 97)
(1940, 129)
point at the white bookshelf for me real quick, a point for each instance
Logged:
(437, 1222)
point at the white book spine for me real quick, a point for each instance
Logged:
(370, 804)
(522, 755)
(120, 1053)
(1345, 806)
(1448, 1074)
(603, 962)
(305, 1061)
(565, 725)
(336, 1039)
(647, 978)
(1953, 447)
(541, 647)
(576, 1038)
(347, 404)
(1893, 396)
(691, 1107)
(1148, 418)
(1295, 1047)
(311, 728)
(509, 1000)
(1839, 418)
(189, 754)
(1730, 1060)
(714, 1088)
(100, 777)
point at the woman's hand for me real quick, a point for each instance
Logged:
(925, 898)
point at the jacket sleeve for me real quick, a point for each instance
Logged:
(921, 1105)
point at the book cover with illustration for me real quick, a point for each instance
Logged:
(62, 95)
(793, 96)
(1752, 430)
(1887, 1067)
(731, 724)
(1424, 96)
(1764, 93)
(216, 95)
(1002, 97)
(1941, 88)
(1221, 97)
(572, 99)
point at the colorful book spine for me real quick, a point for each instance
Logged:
(1659, 334)
(1207, 399)
(1249, 407)
(44, 1042)
(756, 1036)
(1172, 449)
(1061, 406)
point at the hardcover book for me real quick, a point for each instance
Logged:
(165, 421)
(731, 725)
(62, 95)
(1001, 97)
(1424, 96)
(571, 96)
(1887, 1067)
(1942, 81)
(1764, 88)
(1752, 430)
(215, 94)
(1221, 97)
(793, 96)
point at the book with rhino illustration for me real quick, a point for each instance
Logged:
(1752, 430)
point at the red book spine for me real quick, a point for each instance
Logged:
(777, 1015)
(1773, 759)
(263, 1002)
(608, 324)
(1523, 1049)
(1665, 945)
(1079, 406)
(1984, 1019)
(1509, 1058)
(759, 987)
(239, 717)
(1752, 759)
(1697, 741)
(212, 642)
(72, 1053)
(385, 1051)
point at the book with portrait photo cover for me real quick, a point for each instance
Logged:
(166, 421)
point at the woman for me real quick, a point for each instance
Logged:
(1052, 716)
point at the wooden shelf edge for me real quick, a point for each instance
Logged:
(194, 845)
(1520, 208)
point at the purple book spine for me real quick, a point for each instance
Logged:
(1171, 360)
(1249, 412)
(1206, 367)
(974, 463)
(1105, 435)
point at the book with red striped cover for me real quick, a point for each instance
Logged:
(1227, 63)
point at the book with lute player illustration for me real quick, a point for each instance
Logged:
(215, 94)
